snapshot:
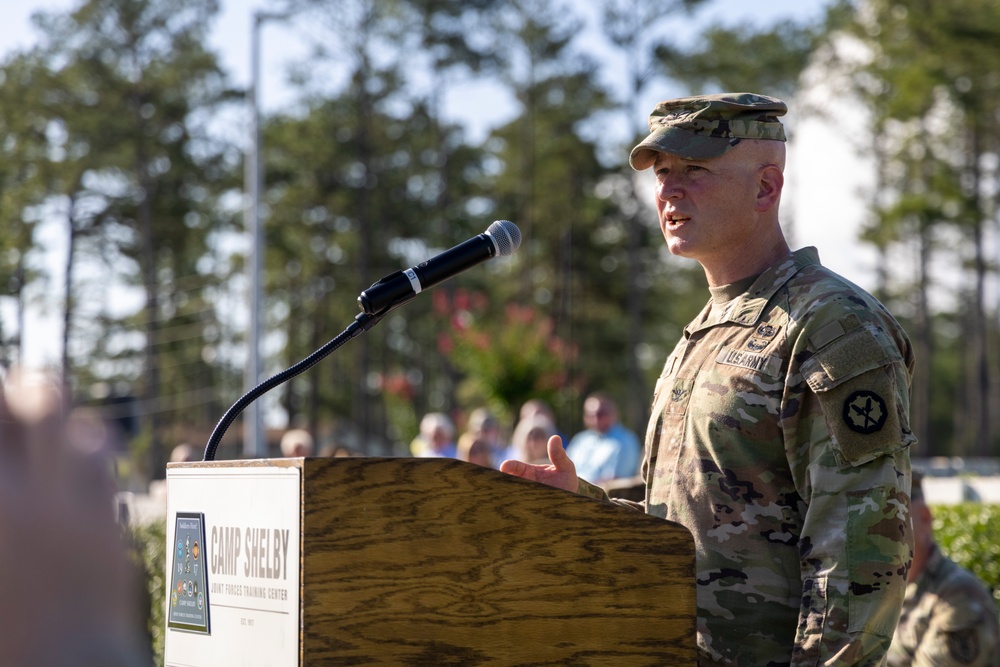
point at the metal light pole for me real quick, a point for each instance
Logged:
(254, 445)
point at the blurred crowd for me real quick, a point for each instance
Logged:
(603, 450)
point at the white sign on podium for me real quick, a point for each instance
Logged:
(233, 599)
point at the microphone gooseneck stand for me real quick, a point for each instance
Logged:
(362, 322)
(500, 239)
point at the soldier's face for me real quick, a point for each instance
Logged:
(706, 207)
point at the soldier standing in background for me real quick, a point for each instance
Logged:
(949, 616)
(779, 432)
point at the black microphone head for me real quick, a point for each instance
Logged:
(506, 237)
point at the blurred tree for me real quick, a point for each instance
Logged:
(766, 59)
(312, 243)
(110, 126)
(130, 93)
(392, 186)
(932, 85)
(634, 28)
(23, 187)
(547, 176)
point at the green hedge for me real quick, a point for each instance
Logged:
(970, 534)
(149, 548)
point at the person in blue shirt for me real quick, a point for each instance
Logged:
(606, 450)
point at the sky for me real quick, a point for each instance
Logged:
(823, 177)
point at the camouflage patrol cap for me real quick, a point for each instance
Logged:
(707, 126)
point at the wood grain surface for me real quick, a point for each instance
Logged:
(440, 562)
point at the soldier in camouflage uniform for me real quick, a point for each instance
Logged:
(779, 433)
(949, 617)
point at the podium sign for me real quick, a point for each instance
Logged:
(233, 540)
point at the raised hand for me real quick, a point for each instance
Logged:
(560, 473)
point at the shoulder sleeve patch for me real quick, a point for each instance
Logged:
(862, 416)
(855, 383)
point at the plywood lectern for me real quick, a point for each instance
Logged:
(400, 561)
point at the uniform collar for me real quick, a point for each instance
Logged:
(750, 305)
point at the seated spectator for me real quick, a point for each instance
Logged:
(335, 451)
(606, 449)
(297, 443)
(483, 426)
(436, 437)
(475, 451)
(536, 406)
(530, 439)
(184, 453)
(949, 616)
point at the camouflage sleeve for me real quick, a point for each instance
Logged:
(959, 635)
(851, 462)
(585, 488)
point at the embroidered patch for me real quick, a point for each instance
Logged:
(756, 345)
(762, 363)
(678, 394)
(767, 331)
(865, 412)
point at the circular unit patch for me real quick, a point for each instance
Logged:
(865, 412)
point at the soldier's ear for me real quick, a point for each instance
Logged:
(770, 181)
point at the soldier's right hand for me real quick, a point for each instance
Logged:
(560, 473)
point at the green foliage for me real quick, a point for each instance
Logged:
(113, 140)
(744, 58)
(505, 360)
(969, 533)
(148, 544)
(931, 89)
(400, 412)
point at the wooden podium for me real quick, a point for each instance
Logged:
(403, 561)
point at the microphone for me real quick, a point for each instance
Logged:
(501, 238)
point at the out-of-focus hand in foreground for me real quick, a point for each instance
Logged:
(67, 588)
